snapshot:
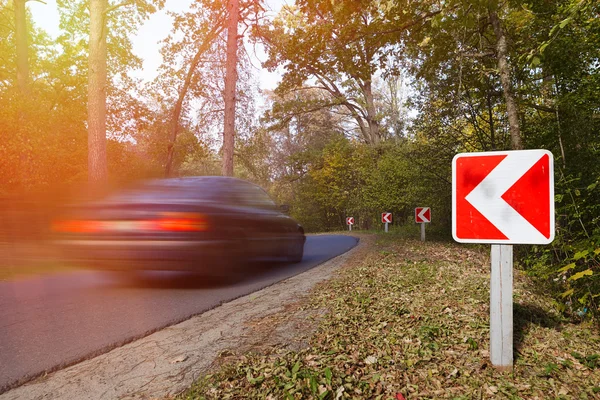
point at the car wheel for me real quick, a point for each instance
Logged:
(233, 266)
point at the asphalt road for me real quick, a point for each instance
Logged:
(47, 323)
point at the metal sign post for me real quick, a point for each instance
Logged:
(422, 216)
(501, 307)
(386, 218)
(350, 222)
(503, 198)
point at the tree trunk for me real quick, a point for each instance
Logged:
(504, 70)
(230, 83)
(371, 114)
(97, 168)
(22, 46)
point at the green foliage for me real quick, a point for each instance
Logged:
(353, 179)
(572, 261)
(554, 48)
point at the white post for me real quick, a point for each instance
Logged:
(501, 307)
(350, 226)
(422, 231)
(386, 227)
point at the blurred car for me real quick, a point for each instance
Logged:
(213, 225)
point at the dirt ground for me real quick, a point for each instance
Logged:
(167, 362)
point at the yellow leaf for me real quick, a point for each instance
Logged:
(425, 41)
(567, 267)
(579, 275)
(567, 293)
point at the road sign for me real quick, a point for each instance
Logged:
(350, 221)
(386, 218)
(503, 197)
(422, 215)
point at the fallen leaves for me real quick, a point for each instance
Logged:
(411, 321)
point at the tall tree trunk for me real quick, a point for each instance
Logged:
(371, 114)
(504, 70)
(97, 168)
(22, 46)
(230, 83)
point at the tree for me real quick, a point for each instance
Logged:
(21, 34)
(210, 30)
(190, 85)
(230, 84)
(357, 41)
(105, 29)
(505, 78)
(97, 167)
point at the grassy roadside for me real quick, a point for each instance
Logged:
(410, 320)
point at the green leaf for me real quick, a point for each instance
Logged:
(579, 275)
(567, 267)
(324, 395)
(314, 386)
(583, 299)
(535, 62)
(567, 293)
(579, 255)
(296, 368)
(592, 186)
(328, 375)
(564, 22)
(543, 47)
(597, 251)
(558, 198)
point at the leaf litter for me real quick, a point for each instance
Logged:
(410, 320)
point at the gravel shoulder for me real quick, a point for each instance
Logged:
(169, 361)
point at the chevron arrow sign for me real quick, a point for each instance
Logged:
(503, 197)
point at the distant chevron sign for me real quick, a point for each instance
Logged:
(422, 215)
(503, 197)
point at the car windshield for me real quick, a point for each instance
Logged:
(171, 191)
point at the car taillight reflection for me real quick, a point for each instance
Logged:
(181, 222)
(166, 222)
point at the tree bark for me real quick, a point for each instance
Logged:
(230, 84)
(22, 46)
(505, 79)
(174, 125)
(371, 114)
(97, 165)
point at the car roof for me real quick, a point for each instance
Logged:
(199, 180)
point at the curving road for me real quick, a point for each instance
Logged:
(47, 323)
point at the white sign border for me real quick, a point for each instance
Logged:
(541, 152)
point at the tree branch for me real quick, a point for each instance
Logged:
(538, 107)
(113, 8)
(403, 27)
